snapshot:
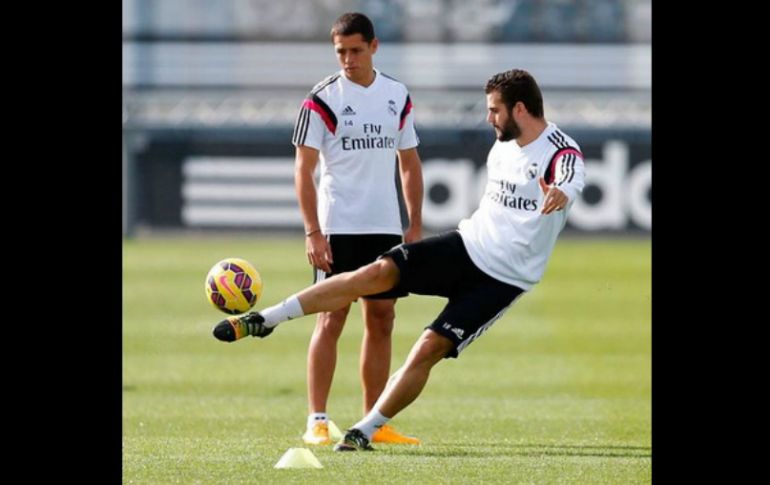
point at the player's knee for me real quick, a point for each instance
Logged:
(367, 273)
(383, 272)
(380, 310)
(430, 349)
(330, 324)
(379, 320)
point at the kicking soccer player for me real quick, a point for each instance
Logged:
(535, 172)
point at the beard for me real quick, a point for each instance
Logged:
(509, 131)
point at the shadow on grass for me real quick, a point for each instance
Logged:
(481, 450)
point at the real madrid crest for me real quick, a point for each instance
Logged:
(532, 171)
(392, 107)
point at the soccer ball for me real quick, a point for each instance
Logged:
(233, 285)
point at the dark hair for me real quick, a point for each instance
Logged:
(352, 23)
(517, 85)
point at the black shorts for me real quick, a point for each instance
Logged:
(351, 251)
(441, 266)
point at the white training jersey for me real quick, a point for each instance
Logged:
(508, 237)
(357, 130)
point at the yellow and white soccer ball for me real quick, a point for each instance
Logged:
(233, 285)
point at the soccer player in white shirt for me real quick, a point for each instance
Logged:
(498, 253)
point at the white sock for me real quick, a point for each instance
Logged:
(286, 310)
(371, 423)
(314, 418)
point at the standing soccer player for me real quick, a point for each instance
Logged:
(535, 173)
(356, 121)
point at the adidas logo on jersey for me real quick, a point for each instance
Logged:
(348, 111)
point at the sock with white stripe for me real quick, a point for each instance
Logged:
(286, 310)
(371, 423)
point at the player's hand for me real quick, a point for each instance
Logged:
(413, 233)
(319, 253)
(554, 198)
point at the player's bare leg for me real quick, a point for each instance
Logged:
(344, 288)
(403, 388)
(374, 363)
(410, 379)
(321, 361)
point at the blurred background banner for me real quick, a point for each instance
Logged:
(211, 90)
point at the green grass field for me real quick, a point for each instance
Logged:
(558, 391)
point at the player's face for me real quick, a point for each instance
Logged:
(501, 118)
(355, 56)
